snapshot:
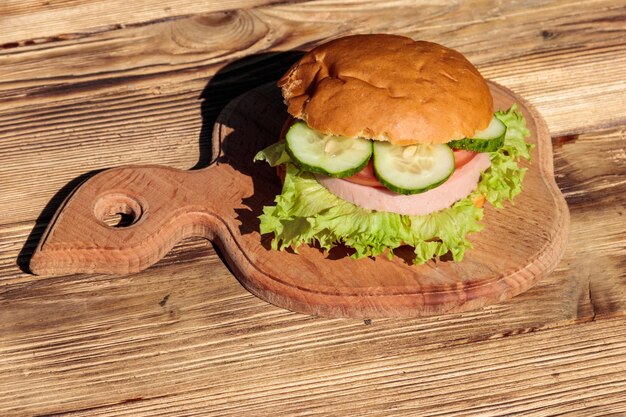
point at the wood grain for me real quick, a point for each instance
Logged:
(81, 92)
(223, 202)
(36, 22)
(596, 195)
(563, 386)
(172, 348)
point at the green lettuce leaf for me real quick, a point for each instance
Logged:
(274, 155)
(503, 180)
(307, 213)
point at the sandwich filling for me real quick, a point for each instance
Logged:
(423, 196)
(462, 182)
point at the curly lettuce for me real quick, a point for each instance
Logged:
(307, 213)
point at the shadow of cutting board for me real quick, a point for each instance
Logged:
(520, 243)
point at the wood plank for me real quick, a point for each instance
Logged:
(216, 354)
(35, 22)
(492, 378)
(132, 95)
(591, 172)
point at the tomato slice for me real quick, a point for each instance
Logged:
(462, 157)
(366, 175)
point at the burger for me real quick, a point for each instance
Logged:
(391, 142)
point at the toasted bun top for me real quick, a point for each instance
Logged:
(390, 88)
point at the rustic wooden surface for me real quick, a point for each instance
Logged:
(222, 202)
(91, 85)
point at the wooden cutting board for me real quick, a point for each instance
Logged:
(159, 206)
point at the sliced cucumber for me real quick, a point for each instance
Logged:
(412, 169)
(488, 140)
(335, 156)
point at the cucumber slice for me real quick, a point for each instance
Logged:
(488, 140)
(412, 169)
(335, 156)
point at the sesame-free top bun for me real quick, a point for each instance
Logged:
(388, 87)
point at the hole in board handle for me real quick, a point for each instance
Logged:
(117, 210)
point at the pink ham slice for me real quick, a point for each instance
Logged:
(460, 185)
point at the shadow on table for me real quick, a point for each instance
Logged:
(232, 81)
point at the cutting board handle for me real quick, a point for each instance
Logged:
(125, 219)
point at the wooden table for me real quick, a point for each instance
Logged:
(95, 84)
